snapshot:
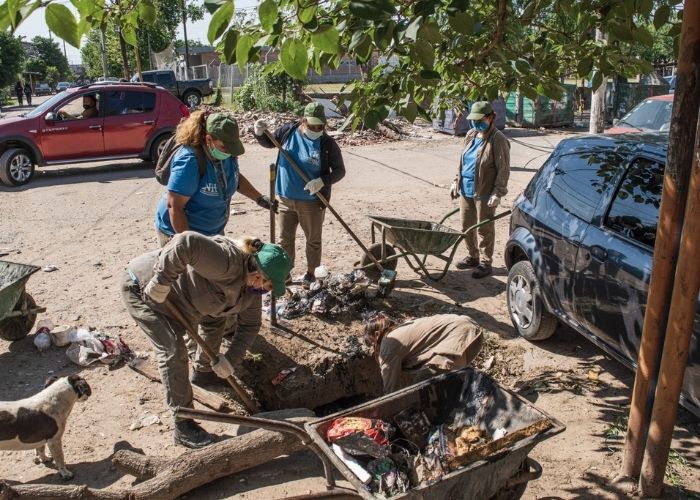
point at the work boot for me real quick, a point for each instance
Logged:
(467, 263)
(202, 379)
(307, 280)
(482, 271)
(189, 434)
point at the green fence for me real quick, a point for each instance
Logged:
(541, 112)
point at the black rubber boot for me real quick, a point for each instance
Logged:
(467, 263)
(189, 434)
(482, 271)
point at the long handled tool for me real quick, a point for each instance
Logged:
(388, 277)
(192, 332)
(273, 300)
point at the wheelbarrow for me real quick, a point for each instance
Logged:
(415, 240)
(17, 308)
(464, 397)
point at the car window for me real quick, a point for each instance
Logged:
(650, 114)
(125, 102)
(634, 211)
(147, 77)
(579, 180)
(164, 79)
(80, 107)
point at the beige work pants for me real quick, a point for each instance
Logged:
(309, 215)
(472, 211)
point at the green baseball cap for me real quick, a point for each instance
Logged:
(315, 113)
(224, 127)
(275, 264)
(479, 110)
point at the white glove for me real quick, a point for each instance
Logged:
(260, 127)
(454, 189)
(222, 367)
(493, 201)
(156, 292)
(314, 185)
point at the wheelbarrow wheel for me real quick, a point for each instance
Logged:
(16, 328)
(373, 272)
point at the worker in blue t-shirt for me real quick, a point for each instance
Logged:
(319, 157)
(202, 203)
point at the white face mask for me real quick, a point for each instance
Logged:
(310, 134)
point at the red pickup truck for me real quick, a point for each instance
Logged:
(103, 121)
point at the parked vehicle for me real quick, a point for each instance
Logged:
(189, 91)
(42, 89)
(650, 115)
(129, 121)
(61, 86)
(581, 245)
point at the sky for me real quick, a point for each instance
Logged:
(36, 25)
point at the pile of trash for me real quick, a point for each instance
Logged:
(84, 346)
(393, 458)
(330, 295)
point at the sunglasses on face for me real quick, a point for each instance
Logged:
(315, 128)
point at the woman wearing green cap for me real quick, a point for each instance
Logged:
(197, 202)
(319, 156)
(481, 182)
(208, 279)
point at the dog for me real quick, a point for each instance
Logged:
(37, 421)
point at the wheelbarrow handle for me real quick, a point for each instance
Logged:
(192, 332)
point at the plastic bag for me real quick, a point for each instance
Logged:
(378, 430)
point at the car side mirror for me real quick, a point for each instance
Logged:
(50, 117)
(616, 121)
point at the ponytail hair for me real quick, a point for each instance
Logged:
(192, 130)
(249, 246)
(376, 328)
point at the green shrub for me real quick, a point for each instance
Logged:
(267, 92)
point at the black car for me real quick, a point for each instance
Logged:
(581, 245)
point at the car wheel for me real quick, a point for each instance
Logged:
(17, 327)
(16, 167)
(157, 147)
(192, 99)
(527, 310)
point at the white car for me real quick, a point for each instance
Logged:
(61, 86)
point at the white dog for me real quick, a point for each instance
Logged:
(33, 423)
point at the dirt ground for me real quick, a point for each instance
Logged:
(89, 221)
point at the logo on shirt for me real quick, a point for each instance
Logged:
(210, 189)
(314, 158)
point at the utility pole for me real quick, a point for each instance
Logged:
(64, 50)
(184, 33)
(595, 125)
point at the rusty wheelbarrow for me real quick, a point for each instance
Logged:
(17, 308)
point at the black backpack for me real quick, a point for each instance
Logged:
(171, 147)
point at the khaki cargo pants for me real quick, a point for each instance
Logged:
(474, 210)
(309, 215)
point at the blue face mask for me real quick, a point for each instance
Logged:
(256, 291)
(481, 126)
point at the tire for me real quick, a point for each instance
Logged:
(16, 167)
(373, 272)
(527, 311)
(18, 327)
(157, 147)
(192, 98)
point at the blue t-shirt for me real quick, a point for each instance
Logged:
(307, 154)
(208, 207)
(469, 168)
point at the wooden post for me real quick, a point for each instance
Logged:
(273, 299)
(680, 157)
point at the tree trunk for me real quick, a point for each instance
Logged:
(172, 478)
(597, 121)
(125, 60)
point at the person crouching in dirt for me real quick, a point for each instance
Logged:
(197, 202)
(422, 347)
(208, 279)
(319, 157)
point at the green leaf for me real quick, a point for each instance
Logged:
(645, 6)
(371, 119)
(363, 51)
(213, 5)
(424, 53)
(267, 11)
(220, 21)
(462, 23)
(410, 111)
(243, 46)
(522, 66)
(129, 34)
(430, 32)
(13, 7)
(643, 37)
(412, 30)
(230, 42)
(429, 77)
(61, 21)
(326, 39)
(358, 38)
(307, 14)
(661, 16)
(584, 66)
(372, 10)
(147, 12)
(294, 58)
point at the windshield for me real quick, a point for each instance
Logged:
(46, 105)
(649, 115)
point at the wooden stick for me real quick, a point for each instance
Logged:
(209, 399)
(273, 299)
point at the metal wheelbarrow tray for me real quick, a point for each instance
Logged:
(417, 239)
(17, 308)
(466, 397)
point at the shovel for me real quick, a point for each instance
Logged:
(192, 332)
(388, 277)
